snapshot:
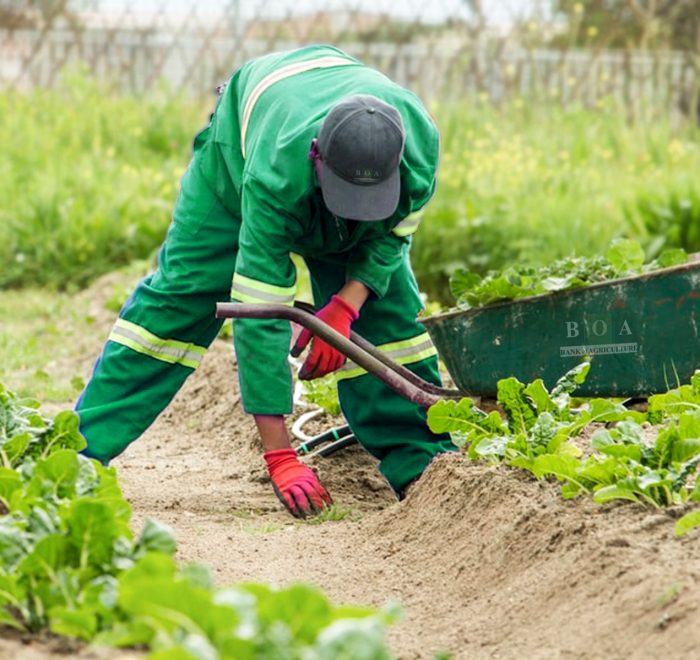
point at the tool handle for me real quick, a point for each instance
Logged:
(414, 389)
(370, 348)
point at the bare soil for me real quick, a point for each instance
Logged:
(486, 562)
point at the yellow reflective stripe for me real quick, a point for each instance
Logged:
(408, 225)
(413, 342)
(359, 371)
(155, 340)
(281, 74)
(142, 341)
(406, 351)
(245, 289)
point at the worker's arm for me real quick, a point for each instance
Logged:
(265, 274)
(375, 260)
(355, 293)
(369, 270)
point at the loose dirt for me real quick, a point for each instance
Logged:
(486, 562)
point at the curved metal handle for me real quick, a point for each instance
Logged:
(442, 392)
(414, 389)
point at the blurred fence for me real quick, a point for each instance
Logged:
(491, 49)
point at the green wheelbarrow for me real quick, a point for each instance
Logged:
(642, 334)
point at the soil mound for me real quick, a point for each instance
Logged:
(516, 571)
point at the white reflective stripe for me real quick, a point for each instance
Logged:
(408, 225)
(246, 295)
(406, 351)
(246, 289)
(167, 350)
(281, 74)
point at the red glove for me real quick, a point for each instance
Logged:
(296, 485)
(323, 358)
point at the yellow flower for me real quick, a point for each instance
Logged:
(578, 8)
(676, 149)
(592, 31)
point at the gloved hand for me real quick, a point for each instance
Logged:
(323, 358)
(296, 485)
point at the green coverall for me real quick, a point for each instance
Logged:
(248, 198)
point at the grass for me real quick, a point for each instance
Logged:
(262, 527)
(88, 179)
(669, 595)
(49, 339)
(528, 183)
(333, 513)
(36, 334)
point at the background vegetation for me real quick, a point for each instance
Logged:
(88, 179)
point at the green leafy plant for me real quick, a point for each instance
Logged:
(687, 522)
(674, 402)
(625, 460)
(322, 392)
(27, 435)
(70, 563)
(623, 258)
(672, 218)
(180, 611)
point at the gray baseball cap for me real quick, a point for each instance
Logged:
(361, 143)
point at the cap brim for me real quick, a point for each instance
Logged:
(354, 202)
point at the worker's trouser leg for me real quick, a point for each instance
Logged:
(165, 327)
(391, 428)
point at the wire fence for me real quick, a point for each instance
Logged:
(645, 55)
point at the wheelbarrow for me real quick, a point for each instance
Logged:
(642, 334)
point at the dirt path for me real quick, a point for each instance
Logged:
(487, 563)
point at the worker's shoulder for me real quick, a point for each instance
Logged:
(259, 68)
(412, 109)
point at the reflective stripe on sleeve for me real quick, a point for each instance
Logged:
(408, 225)
(141, 340)
(246, 289)
(281, 74)
(406, 351)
